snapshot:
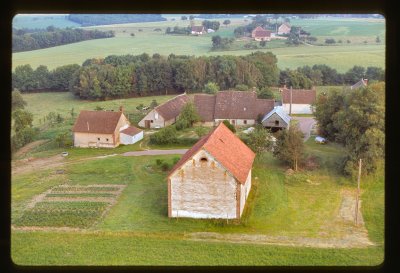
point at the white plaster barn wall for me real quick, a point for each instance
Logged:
(203, 190)
(158, 120)
(244, 192)
(90, 140)
(127, 139)
(298, 108)
(238, 122)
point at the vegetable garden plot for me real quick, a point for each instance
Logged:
(71, 206)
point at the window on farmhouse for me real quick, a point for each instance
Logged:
(203, 160)
(106, 139)
(245, 121)
(98, 138)
(152, 121)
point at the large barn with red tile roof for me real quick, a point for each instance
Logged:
(104, 129)
(213, 178)
(165, 114)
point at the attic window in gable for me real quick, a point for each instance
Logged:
(203, 160)
(276, 122)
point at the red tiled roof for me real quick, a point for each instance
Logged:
(172, 108)
(299, 96)
(100, 122)
(205, 105)
(227, 149)
(131, 131)
(260, 32)
(197, 28)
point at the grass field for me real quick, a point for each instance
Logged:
(41, 104)
(138, 230)
(42, 21)
(341, 56)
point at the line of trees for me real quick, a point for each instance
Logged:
(141, 75)
(25, 40)
(108, 19)
(128, 75)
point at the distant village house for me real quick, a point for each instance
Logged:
(165, 114)
(213, 178)
(261, 34)
(104, 129)
(198, 30)
(298, 101)
(284, 29)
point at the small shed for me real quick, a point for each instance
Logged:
(276, 119)
(130, 135)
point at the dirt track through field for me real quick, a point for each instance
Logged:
(355, 236)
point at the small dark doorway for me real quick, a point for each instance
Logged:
(147, 124)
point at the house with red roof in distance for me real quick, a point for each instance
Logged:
(298, 101)
(104, 129)
(359, 84)
(164, 114)
(284, 29)
(240, 108)
(198, 30)
(212, 179)
(261, 34)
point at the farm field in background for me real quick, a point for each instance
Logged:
(340, 56)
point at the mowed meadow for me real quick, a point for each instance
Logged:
(362, 49)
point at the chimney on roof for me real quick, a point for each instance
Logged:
(121, 108)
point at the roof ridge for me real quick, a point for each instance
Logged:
(170, 100)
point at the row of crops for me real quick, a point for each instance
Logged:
(71, 206)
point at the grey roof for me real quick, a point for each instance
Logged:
(280, 112)
(360, 83)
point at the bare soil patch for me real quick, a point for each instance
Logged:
(24, 150)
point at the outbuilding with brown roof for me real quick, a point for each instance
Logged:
(99, 128)
(298, 101)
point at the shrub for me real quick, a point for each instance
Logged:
(165, 166)
(159, 161)
(200, 131)
(330, 41)
(167, 135)
(241, 87)
(229, 125)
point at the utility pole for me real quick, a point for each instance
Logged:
(290, 107)
(358, 190)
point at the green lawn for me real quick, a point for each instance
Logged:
(41, 104)
(104, 248)
(138, 229)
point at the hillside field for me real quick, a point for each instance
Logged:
(340, 56)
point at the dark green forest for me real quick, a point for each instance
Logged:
(144, 75)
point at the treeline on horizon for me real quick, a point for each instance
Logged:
(27, 39)
(144, 75)
(109, 19)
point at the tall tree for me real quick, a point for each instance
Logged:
(17, 101)
(290, 147)
(187, 117)
(260, 139)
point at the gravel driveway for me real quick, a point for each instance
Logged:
(305, 125)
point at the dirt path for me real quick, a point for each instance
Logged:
(29, 147)
(354, 236)
(305, 125)
(156, 152)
